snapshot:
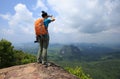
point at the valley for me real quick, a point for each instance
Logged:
(99, 61)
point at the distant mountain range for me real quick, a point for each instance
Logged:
(81, 51)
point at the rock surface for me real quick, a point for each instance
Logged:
(35, 71)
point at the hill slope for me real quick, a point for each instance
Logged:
(35, 71)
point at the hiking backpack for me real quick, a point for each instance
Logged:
(39, 27)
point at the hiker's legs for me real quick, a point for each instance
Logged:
(44, 52)
(39, 55)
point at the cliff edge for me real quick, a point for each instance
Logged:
(35, 71)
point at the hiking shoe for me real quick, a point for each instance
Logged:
(39, 61)
(46, 64)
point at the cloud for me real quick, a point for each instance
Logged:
(40, 4)
(6, 16)
(76, 20)
(86, 21)
(20, 24)
(89, 16)
(22, 20)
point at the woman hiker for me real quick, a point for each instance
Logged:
(42, 36)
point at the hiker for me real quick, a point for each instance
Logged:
(42, 36)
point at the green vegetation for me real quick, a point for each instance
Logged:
(9, 56)
(107, 69)
(99, 65)
(78, 72)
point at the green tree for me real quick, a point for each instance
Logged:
(9, 56)
(23, 58)
(6, 53)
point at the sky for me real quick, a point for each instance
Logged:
(77, 21)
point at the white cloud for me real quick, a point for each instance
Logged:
(41, 5)
(22, 20)
(7, 31)
(20, 25)
(6, 16)
(89, 16)
(92, 4)
(81, 20)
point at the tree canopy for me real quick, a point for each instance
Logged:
(9, 56)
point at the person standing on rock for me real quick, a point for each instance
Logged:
(42, 36)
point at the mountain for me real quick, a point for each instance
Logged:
(70, 52)
(93, 48)
(80, 51)
(35, 71)
(85, 48)
(32, 48)
(29, 47)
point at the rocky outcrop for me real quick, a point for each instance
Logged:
(35, 71)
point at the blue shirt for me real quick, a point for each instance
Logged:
(46, 22)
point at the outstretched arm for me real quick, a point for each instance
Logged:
(52, 18)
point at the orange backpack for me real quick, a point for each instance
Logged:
(39, 27)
